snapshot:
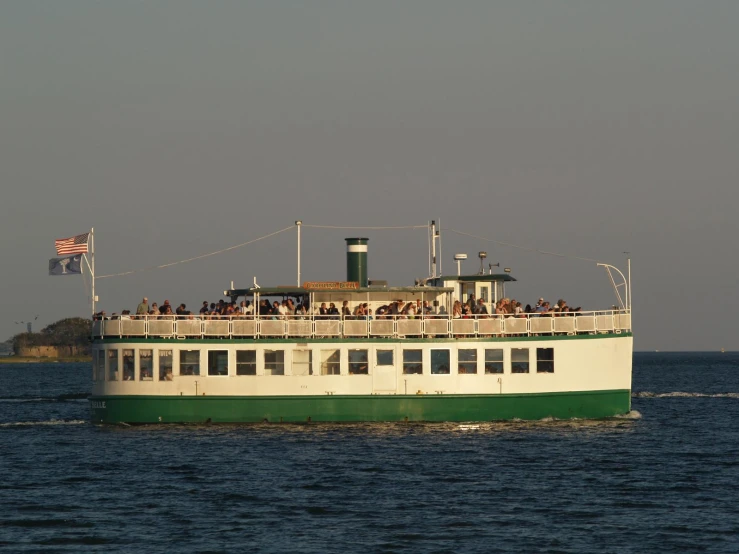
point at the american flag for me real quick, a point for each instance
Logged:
(72, 245)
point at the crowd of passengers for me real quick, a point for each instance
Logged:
(398, 309)
(511, 308)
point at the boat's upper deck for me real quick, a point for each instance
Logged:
(387, 326)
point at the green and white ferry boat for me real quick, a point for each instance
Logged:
(431, 366)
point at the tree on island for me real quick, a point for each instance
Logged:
(72, 331)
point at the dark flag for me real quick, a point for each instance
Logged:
(71, 265)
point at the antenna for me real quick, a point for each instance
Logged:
(482, 256)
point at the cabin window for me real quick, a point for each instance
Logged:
(246, 362)
(146, 365)
(112, 365)
(467, 361)
(412, 362)
(493, 360)
(440, 362)
(358, 362)
(165, 365)
(519, 360)
(302, 362)
(100, 366)
(385, 357)
(330, 362)
(274, 362)
(218, 362)
(128, 365)
(189, 362)
(545, 360)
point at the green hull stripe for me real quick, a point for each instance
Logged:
(365, 340)
(235, 409)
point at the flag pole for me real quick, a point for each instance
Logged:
(92, 269)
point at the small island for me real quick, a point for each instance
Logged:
(67, 340)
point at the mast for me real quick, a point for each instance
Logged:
(92, 270)
(298, 223)
(89, 258)
(435, 265)
(628, 293)
(433, 248)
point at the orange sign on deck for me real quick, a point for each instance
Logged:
(331, 285)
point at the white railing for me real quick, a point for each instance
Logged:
(437, 326)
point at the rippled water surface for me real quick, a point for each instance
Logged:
(664, 479)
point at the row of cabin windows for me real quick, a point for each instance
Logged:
(302, 362)
(467, 361)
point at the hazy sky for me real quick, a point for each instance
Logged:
(177, 128)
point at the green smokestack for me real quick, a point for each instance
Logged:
(356, 260)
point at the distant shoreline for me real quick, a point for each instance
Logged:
(29, 360)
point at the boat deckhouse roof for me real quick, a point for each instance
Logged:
(301, 291)
(474, 278)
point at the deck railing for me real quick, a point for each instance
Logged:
(434, 326)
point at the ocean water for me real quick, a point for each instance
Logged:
(663, 479)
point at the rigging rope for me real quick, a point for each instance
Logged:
(376, 228)
(372, 228)
(523, 247)
(196, 257)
